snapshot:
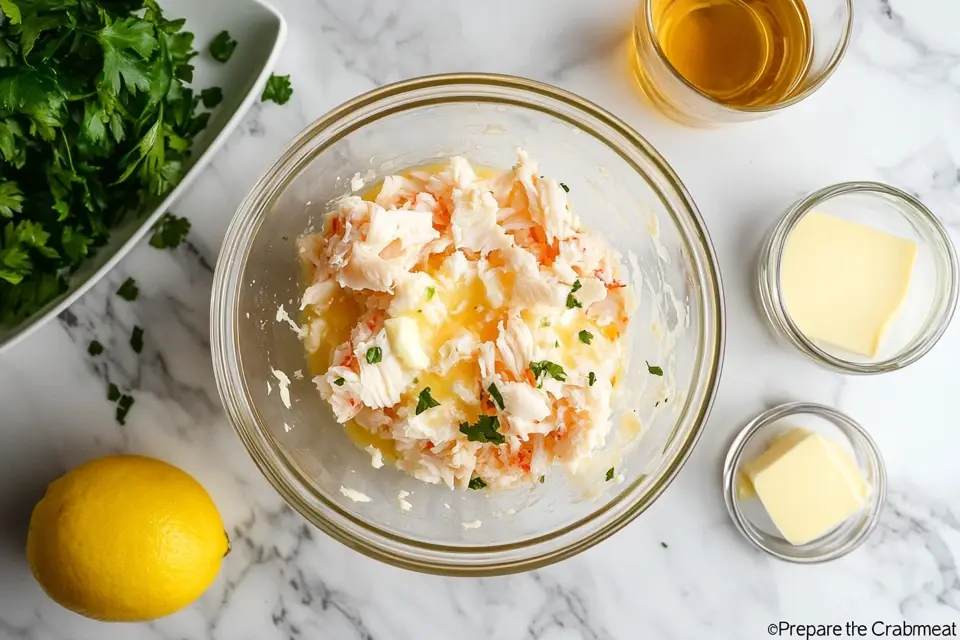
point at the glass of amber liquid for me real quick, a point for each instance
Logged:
(708, 62)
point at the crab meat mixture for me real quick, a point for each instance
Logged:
(463, 326)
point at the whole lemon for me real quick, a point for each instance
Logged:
(125, 538)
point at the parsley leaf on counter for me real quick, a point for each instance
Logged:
(96, 124)
(655, 371)
(211, 97)
(477, 483)
(123, 408)
(278, 89)
(484, 430)
(95, 348)
(136, 340)
(129, 290)
(425, 401)
(221, 48)
(543, 368)
(169, 231)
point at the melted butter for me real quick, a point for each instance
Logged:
(363, 439)
(341, 316)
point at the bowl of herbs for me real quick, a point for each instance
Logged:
(108, 110)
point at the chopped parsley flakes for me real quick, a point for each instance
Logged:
(129, 290)
(278, 89)
(572, 301)
(374, 355)
(610, 473)
(544, 368)
(339, 382)
(431, 291)
(655, 371)
(485, 429)
(95, 348)
(136, 340)
(585, 336)
(169, 232)
(477, 483)
(495, 395)
(123, 408)
(591, 378)
(425, 401)
(222, 47)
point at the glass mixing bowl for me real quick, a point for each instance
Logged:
(620, 187)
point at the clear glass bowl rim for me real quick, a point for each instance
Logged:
(358, 534)
(835, 60)
(852, 429)
(775, 309)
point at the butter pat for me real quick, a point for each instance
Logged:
(843, 282)
(807, 484)
(404, 337)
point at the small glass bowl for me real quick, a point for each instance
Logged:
(931, 299)
(748, 514)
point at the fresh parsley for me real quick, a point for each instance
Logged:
(129, 290)
(278, 89)
(655, 371)
(425, 401)
(544, 368)
(572, 301)
(211, 97)
(95, 348)
(477, 483)
(431, 291)
(585, 336)
(542, 479)
(495, 395)
(663, 544)
(565, 187)
(374, 355)
(339, 382)
(610, 473)
(169, 231)
(96, 125)
(123, 408)
(136, 340)
(591, 378)
(485, 429)
(113, 392)
(222, 47)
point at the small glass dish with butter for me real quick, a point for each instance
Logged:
(804, 482)
(860, 277)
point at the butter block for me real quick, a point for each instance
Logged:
(807, 484)
(843, 282)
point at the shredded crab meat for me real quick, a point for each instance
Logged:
(442, 315)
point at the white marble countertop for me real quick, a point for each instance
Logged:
(891, 112)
